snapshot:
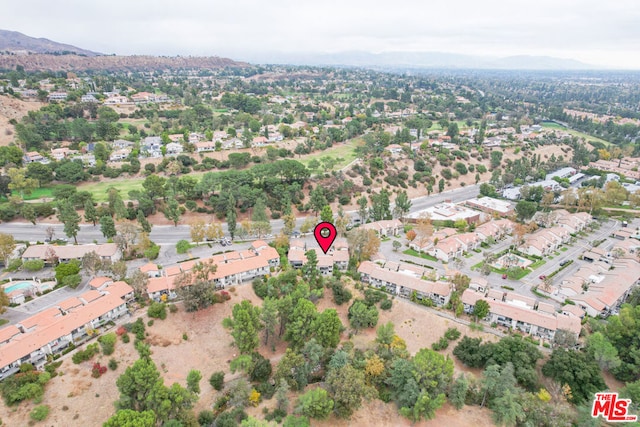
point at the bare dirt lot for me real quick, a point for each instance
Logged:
(11, 108)
(77, 399)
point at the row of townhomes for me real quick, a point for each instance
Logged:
(547, 240)
(521, 313)
(385, 228)
(47, 253)
(403, 280)
(232, 268)
(601, 286)
(73, 320)
(336, 257)
(447, 244)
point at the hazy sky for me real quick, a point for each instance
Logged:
(599, 32)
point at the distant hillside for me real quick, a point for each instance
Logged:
(398, 60)
(36, 62)
(13, 41)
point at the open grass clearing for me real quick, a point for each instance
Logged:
(579, 134)
(344, 151)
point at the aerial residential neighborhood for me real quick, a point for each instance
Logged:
(162, 254)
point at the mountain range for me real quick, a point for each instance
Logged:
(19, 44)
(13, 41)
(416, 60)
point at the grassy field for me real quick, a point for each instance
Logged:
(579, 134)
(346, 152)
(36, 194)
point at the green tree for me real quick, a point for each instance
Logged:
(348, 387)
(317, 199)
(526, 209)
(316, 404)
(481, 309)
(107, 227)
(65, 269)
(90, 212)
(458, 392)
(7, 247)
(603, 352)
(328, 327)
(362, 316)
(326, 215)
(363, 204)
(136, 385)
(20, 183)
(131, 418)
(172, 211)
(300, 325)
(380, 206)
(145, 225)
(154, 186)
(193, 381)
(28, 212)
(68, 216)
(402, 205)
(246, 326)
(231, 215)
(578, 370)
(42, 173)
(292, 369)
(496, 159)
(440, 185)
(269, 317)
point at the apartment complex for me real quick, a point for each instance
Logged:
(50, 331)
(232, 268)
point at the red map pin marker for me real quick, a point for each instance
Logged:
(325, 233)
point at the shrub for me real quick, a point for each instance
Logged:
(374, 296)
(217, 380)
(86, 354)
(442, 344)
(173, 308)
(113, 364)
(150, 322)
(125, 338)
(185, 336)
(152, 252)
(14, 264)
(182, 246)
(108, 343)
(97, 370)
(138, 329)
(341, 294)
(33, 265)
(157, 310)
(206, 417)
(386, 304)
(72, 281)
(452, 334)
(39, 413)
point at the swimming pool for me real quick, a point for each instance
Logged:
(16, 286)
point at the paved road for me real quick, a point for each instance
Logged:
(166, 234)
